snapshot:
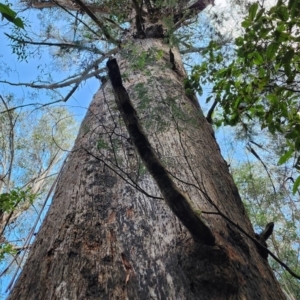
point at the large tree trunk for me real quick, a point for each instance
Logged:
(110, 235)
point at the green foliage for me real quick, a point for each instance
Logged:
(48, 133)
(191, 84)
(264, 205)
(10, 15)
(6, 248)
(19, 47)
(31, 145)
(9, 201)
(261, 84)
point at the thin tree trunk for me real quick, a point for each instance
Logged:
(110, 235)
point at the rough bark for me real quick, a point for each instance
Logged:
(110, 235)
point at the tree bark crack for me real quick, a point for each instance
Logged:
(176, 200)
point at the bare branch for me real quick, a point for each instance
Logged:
(30, 104)
(98, 22)
(76, 17)
(61, 45)
(76, 80)
(251, 150)
(68, 5)
(192, 50)
(210, 112)
(11, 142)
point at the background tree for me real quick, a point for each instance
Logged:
(266, 190)
(32, 147)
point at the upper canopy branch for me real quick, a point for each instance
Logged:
(83, 76)
(77, 79)
(101, 25)
(68, 4)
(61, 45)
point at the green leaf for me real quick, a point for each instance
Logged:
(246, 23)
(281, 26)
(5, 10)
(239, 41)
(252, 11)
(288, 56)
(261, 72)
(292, 135)
(6, 248)
(258, 59)
(294, 9)
(10, 15)
(8, 201)
(271, 50)
(264, 32)
(259, 14)
(287, 70)
(283, 13)
(296, 185)
(290, 4)
(18, 22)
(263, 82)
(281, 36)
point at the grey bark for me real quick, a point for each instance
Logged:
(109, 233)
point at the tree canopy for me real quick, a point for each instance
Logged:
(260, 84)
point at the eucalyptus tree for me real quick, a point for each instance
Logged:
(31, 151)
(263, 204)
(145, 207)
(266, 191)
